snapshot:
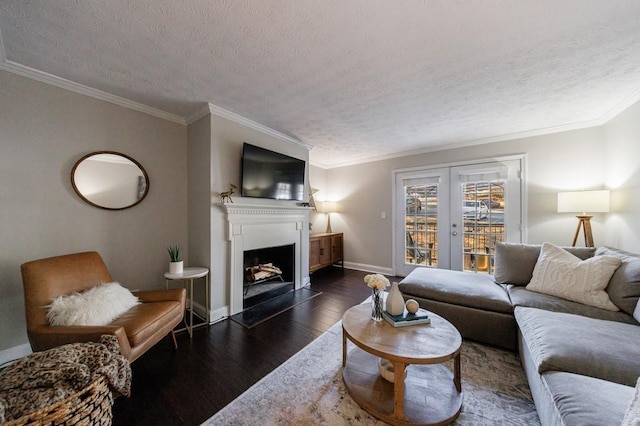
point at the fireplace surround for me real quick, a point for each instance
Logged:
(257, 226)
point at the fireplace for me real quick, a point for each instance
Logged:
(269, 272)
(253, 228)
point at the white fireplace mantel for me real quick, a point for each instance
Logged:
(255, 226)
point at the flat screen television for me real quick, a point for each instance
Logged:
(269, 174)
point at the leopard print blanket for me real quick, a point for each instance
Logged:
(44, 378)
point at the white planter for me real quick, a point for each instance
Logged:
(176, 267)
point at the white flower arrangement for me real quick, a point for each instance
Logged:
(376, 281)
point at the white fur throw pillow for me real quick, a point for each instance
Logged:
(561, 274)
(99, 305)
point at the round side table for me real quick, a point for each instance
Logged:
(189, 275)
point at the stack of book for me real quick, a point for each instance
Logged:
(407, 318)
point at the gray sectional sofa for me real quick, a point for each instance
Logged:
(582, 362)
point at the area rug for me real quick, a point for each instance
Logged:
(272, 307)
(308, 389)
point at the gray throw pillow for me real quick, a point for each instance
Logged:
(514, 262)
(624, 285)
(636, 312)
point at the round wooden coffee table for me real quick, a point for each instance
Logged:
(430, 394)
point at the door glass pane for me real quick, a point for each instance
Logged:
(483, 206)
(421, 224)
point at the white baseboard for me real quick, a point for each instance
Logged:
(16, 352)
(368, 268)
(214, 315)
(219, 314)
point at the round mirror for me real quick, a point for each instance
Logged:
(110, 180)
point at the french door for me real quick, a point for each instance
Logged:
(452, 217)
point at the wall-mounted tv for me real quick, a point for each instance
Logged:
(269, 174)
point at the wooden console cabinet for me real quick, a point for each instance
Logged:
(325, 250)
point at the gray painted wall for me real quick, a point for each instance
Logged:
(621, 149)
(574, 160)
(199, 184)
(43, 131)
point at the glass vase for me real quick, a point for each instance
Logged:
(376, 305)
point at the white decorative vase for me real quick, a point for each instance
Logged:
(395, 301)
(176, 267)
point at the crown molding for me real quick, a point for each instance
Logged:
(208, 108)
(43, 77)
(474, 142)
(87, 91)
(212, 109)
(621, 106)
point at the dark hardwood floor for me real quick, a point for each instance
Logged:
(188, 385)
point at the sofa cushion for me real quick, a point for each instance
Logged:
(520, 296)
(559, 273)
(458, 288)
(624, 286)
(558, 341)
(583, 400)
(632, 415)
(514, 262)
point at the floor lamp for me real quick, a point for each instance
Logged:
(583, 202)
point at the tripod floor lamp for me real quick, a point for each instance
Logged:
(584, 202)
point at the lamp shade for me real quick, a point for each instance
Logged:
(327, 207)
(583, 201)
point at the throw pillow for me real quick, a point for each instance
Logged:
(632, 415)
(636, 312)
(515, 261)
(99, 305)
(624, 286)
(561, 274)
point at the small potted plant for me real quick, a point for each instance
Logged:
(175, 257)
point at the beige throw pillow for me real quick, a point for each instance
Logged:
(561, 274)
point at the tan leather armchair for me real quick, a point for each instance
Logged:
(137, 330)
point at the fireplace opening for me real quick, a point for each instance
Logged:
(268, 273)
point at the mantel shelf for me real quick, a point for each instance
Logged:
(242, 208)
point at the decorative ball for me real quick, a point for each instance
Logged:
(412, 306)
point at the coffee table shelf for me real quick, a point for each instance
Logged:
(429, 395)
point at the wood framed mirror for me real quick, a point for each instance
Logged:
(110, 180)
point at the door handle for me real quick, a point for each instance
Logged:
(454, 233)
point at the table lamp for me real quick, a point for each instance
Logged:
(328, 207)
(583, 202)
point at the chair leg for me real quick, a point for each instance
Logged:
(175, 343)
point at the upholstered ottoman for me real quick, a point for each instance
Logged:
(474, 303)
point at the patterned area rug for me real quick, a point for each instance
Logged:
(308, 389)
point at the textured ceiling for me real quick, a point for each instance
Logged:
(355, 79)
